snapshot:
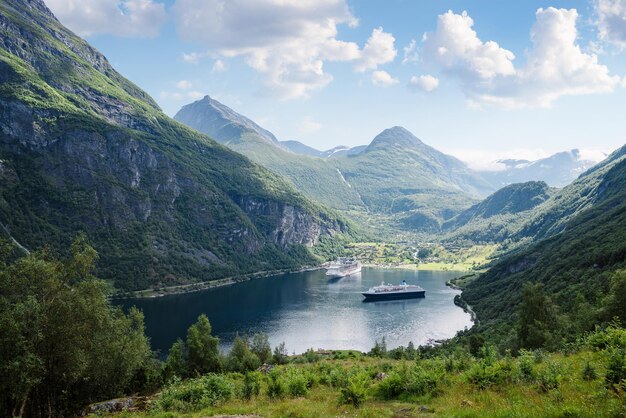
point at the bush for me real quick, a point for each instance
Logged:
(192, 395)
(616, 368)
(311, 356)
(484, 375)
(526, 366)
(276, 387)
(297, 382)
(409, 381)
(251, 385)
(550, 378)
(589, 372)
(355, 391)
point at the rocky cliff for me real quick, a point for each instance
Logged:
(83, 149)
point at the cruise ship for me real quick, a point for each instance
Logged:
(343, 267)
(389, 291)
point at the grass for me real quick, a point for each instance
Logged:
(458, 387)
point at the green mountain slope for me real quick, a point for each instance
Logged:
(83, 149)
(314, 177)
(494, 218)
(574, 265)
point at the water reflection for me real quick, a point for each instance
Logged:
(307, 310)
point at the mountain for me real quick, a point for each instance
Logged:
(574, 264)
(314, 177)
(492, 219)
(343, 150)
(398, 173)
(84, 149)
(299, 148)
(558, 170)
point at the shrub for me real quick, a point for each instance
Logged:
(297, 382)
(251, 385)
(526, 366)
(409, 381)
(280, 355)
(195, 394)
(338, 377)
(484, 375)
(550, 378)
(616, 368)
(589, 372)
(355, 391)
(311, 356)
(276, 387)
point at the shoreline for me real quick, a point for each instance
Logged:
(228, 281)
(200, 286)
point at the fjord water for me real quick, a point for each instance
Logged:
(305, 310)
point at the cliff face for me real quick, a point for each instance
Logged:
(83, 149)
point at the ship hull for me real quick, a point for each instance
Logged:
(394, 296)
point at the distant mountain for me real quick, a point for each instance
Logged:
(299, 148)
(397, 164)
(581, 243)
(314, 177)
(222, 123)
(84, 149)
(504, 204)
(558, 170)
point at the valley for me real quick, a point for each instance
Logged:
(177, 263)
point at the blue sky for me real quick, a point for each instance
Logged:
(503, 79)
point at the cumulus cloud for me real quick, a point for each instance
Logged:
(287, 41)
(379, 49)
(383, 79)
(425, 83)
(556, 66)
(126, 18)
(611, 20)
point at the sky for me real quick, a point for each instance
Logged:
(480, 79)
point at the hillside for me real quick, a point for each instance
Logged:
(83, 149)
(574, 265)
(312, 176)
(494, 218)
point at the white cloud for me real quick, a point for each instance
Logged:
(611, 15)
(126, 18)
(410, 52)
(484, 160)
(287, 41)
(379, 49)
(455, 46)
(182, 96)
(556, 66)
(309, 126)
(425, 83)
(192, 57)
(219, 66)
(184, 85)
(383, 79)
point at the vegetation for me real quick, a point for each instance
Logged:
(445, 381)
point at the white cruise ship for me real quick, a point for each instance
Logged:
(343, 267)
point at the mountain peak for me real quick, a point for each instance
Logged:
(397, 136)
(222, 123)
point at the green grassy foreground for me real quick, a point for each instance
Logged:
(586, 380)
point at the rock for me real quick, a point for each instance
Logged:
(132, 403)
(381, 376)
(467, 404)
(265, 368)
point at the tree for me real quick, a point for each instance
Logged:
(61, 342)
(537, 317)
(616, 300)
(176, 363)
(261, 347)
(203, 348)
(240, 358)
(280, 354)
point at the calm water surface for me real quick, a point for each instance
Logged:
(305, 310)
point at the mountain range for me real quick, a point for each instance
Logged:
(84, 149)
